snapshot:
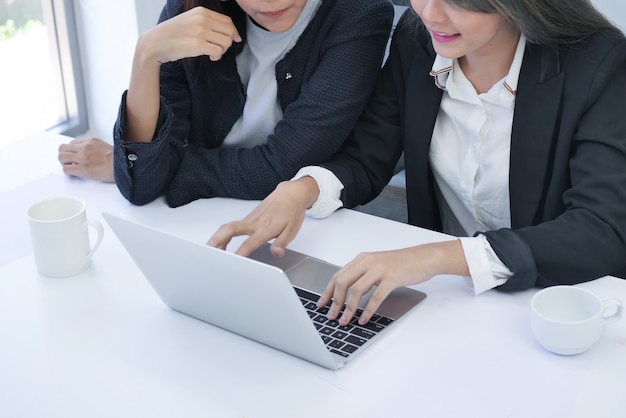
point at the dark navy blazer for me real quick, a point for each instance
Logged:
(324, 83)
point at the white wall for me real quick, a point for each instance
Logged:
(614, 10)
(108, 32)
(148, 12)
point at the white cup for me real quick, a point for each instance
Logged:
(60, 236)
(569, 320)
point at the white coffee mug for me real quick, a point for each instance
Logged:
(60, 236)
(569, 320)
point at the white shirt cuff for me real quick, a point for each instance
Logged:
(330, 190)
(486, 269)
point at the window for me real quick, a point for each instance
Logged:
(40, 76)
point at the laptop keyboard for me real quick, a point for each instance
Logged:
(342, 340)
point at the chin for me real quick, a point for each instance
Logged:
(278, 27)
(448, 53)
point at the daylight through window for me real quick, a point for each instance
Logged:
(40, 79)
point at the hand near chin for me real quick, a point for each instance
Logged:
(194, 33)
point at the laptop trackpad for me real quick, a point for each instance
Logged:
(286, 262)
(303, 271)
(311, 274)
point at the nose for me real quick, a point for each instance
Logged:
(430, 10)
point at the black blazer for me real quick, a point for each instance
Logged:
(324, 83)
(567, 164)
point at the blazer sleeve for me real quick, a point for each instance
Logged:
(581, 231)
(366, 161)
(143, 170)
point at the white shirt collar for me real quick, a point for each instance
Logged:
(443, 66)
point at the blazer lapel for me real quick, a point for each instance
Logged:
(421, 114)
(534, 132)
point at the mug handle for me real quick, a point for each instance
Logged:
(99, 231)
(617, 307)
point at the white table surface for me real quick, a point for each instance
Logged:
(102, 344)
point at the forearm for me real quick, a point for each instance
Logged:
(143, 170)
(143, 98)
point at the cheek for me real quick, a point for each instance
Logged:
(246, 6)
(417, 5)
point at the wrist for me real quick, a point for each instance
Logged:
(146, 51)
(447, 257)
(304, 190)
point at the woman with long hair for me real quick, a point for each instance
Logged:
(510, 117)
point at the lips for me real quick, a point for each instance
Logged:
(443, 37)
(274, 15)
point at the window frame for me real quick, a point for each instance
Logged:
(60, 19)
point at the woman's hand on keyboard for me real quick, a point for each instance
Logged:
(388, 270)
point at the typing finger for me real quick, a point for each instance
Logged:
(332, 293)
(341, 285)
(287, 235)
(376, 299)
(253, 242)
(327, 295)
(352, 282)
(225, 234)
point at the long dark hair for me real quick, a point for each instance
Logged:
(209, 4)
(545, 22)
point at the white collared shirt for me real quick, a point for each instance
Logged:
(469, 156)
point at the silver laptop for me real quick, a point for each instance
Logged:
(267, 299)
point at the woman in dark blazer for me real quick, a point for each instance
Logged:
(228, 98)
(558, 213)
